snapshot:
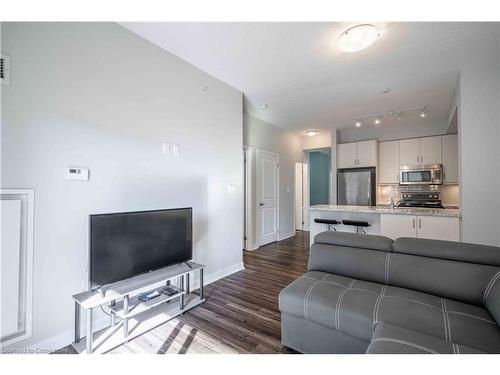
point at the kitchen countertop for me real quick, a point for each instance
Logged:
(449, 212)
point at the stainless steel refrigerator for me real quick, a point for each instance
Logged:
(356, 187)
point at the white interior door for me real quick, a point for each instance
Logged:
(10, 266)
(299, 197)
(267, 193)
(305, 194)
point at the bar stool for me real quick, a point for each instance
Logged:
(359, 224)
(329, 223)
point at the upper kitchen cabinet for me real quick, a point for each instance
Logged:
(409, 151)
(357, 154)
(388, 161)
(430, 150)
(347, 155)
(367, 153)
(450, 158)
(419, 151)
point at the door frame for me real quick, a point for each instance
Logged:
(305, 197)
(258, 152)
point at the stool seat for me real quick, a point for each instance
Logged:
(327, 221)
(356, 223)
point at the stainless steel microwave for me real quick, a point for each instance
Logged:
(421, 175)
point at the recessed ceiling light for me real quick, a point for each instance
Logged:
(358, 38)
(263, 107)
(377, 121)
(358, 123)
(385, 91)
(399, 115)
(423, 113)
(312, 132)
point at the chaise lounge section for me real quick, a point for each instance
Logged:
(369, 294)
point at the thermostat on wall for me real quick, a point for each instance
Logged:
(74, 173)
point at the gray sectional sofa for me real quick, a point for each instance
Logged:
(369, 294)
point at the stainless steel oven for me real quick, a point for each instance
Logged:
(421, 175)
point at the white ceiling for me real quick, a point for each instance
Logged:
(307, 82)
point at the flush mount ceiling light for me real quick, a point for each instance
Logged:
(358, 38)
(377, 117)
(312, 132)
(385, 91)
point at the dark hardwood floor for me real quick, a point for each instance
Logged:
(241, 312)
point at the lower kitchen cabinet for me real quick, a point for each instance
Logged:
(431, 227)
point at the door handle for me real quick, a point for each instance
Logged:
(261, 204)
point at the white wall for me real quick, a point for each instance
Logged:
(96, 95)
(479, 135)
(260, 134)
(322, 140)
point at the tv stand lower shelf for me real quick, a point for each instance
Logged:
(129, 317)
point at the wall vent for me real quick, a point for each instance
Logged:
(5, 69)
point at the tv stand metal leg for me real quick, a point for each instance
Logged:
(113, 314)
(201, 283)
(181, 298)
(77, 322)
(125, 313)
(89, 337)
(188, 287)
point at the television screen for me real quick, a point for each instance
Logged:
(123, 245)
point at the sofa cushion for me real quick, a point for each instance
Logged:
(459, 251)
(362, 264)
(491, 297)
(390, 339)
(367, 241)
(352, 306)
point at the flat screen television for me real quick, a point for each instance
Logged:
(123, 245)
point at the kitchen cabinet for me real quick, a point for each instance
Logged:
(367, 153)
(395, 226)
(430, 150)
(430, 227)
(388, 162)
(450, 158)
(438, 228)
(357, 154)
(347, 155)
(419, 151)
(409, 151)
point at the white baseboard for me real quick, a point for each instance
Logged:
(284, 237)
(66, 338)
(252, 248)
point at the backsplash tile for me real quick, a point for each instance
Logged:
(449, 193)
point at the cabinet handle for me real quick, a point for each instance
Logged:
(414, 223)
(419, 223)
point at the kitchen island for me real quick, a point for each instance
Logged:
(433, 223)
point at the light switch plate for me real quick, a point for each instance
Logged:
(165, 148)
(76, 173)
(176, 150)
